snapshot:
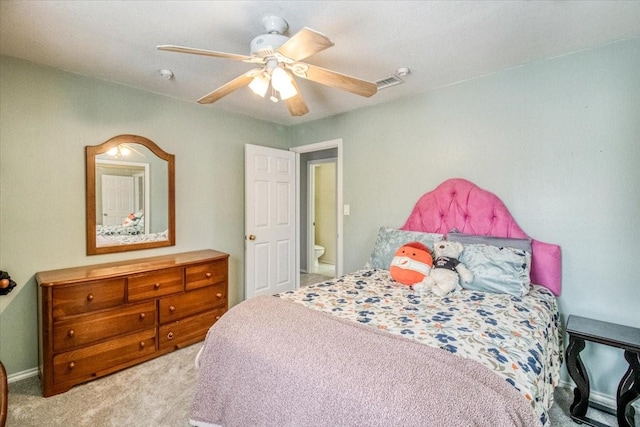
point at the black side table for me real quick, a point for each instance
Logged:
(581, 329)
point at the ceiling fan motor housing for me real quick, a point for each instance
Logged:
(267, 43)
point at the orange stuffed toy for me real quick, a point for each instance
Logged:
(411, 264)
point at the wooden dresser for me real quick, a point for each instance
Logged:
(98, 319)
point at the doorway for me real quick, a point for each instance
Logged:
(321, 213)
(308, 158)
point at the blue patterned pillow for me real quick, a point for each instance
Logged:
(497, 269)
(390, 239)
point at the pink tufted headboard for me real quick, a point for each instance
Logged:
(458, 203)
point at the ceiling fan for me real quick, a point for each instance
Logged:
(278, 58)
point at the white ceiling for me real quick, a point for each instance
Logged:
(442, 42)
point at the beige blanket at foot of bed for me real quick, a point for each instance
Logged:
(272, 362)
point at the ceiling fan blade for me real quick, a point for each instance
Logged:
(180, 49)
(334, 79)
(304, 43)
(226, 89)
(296, 104)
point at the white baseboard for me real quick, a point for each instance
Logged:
(605, 400)
(594, 396)
(18, 376)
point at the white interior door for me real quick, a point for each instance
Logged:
(270, 226)
(117, 199)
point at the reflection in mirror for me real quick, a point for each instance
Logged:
(130, 200)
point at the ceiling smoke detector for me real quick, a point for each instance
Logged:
(166, 74)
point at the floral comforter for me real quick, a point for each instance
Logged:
(516, 337)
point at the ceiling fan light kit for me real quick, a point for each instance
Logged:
(281, 81)
(279, 57)
(259, 85)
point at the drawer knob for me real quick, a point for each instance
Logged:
(90, 297)
(71, 333)
(172, 309)
(217, 317)
(170, 335)
(219, 295)
(208, 275)
(156, 286)
(142, 316)
(72, 365)
(142, 344)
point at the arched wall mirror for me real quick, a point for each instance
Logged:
(130, 195)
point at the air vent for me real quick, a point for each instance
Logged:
(392, 80)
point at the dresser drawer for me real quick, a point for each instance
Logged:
(192, 302)
(207, 274)
(88, 328)
(188, 331)
(89, 296)
(152, 285)
(86, 363)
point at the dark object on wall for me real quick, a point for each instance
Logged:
(6, 284)
(4, 395)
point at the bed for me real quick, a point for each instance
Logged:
(123, 235)
(364, 350)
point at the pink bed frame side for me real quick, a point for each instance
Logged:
(460, 204)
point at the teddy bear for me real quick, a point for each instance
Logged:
(411, 263)
(447, 270)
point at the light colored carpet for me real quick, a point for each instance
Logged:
(157, 393)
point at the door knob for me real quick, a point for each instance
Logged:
(252, 237)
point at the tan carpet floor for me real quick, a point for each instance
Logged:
(157, 393)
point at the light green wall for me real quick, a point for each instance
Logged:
(558, 141)
(47, 117)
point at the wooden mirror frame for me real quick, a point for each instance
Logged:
(90, 161)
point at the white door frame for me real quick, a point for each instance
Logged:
(311, 203)
(319, 146)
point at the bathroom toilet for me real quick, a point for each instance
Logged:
(317, 253)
